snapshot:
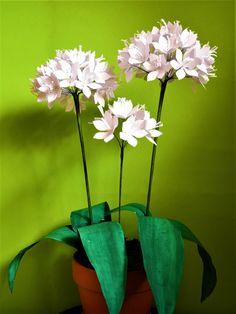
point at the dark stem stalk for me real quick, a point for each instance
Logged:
(122, 146)
(162, 93)
(77, 109)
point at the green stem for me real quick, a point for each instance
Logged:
(77, 109)
(162, 93)
(122, 146)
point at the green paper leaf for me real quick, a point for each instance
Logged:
(163, 257)
(209, 277)
(63, 234)
(105, 247)
(80, 218)
(137, 208)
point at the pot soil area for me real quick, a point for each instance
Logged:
(133, 250)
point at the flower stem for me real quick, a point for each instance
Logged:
(162, 93)
(77, 109)
(122, 147)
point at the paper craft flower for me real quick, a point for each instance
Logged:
(166, 53)
(135, 123)
(71, 70)
(106, 125)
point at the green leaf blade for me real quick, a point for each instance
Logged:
(105, 246)
(80, 218)
(62, 234)
(209, 276)
(136, 208)
(163, 256)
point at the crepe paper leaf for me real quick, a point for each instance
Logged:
(80, 218)
(137, 208)
(14, 265)
(163, 256)
(209, 276)
(105, 247)
(62, 234)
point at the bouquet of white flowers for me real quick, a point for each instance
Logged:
(164, 54)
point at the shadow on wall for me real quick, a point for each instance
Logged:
(43, 128)
(36, 145)
(53, 262)
(35, 127)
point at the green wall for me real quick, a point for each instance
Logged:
(41, 170)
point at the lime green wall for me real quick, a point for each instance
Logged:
(41, 171)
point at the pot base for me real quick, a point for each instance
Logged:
(138, 297)
(79, 310)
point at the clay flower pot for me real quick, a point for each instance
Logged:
(138, 298)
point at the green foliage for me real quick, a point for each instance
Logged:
(209, 277)
(136, 208)
(162, 247)
(163, 257)
(105, 247)
(62, 234)
(80, 217)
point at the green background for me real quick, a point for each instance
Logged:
(41, 169)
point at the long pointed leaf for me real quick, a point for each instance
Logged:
(80, 218)
(137, 208)
(163, 257)
(63, 234)
(209, 277)
(105, 247)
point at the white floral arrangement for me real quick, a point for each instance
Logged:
(74, 70)
(163, 54)
(167, 53)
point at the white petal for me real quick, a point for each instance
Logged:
(150, 124)
(134, 61)
(51, 97)
(94, 85)
(109, 138)
(151, 140)
(191, 72)
(179, 56)
(65, 83)
(152, 76)
(155, 133)
(60, 75)
(175, 65)
(100, 125)
(79, 85)
(123, 136)
(100, 135)
(132, 141)
(86, 91)
(100, 108)
(139, 133)
(180, 74)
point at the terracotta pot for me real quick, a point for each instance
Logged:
(138, 298)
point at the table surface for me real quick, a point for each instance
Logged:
(79, 310)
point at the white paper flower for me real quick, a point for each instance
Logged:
(47, 87)
(132, 129)
(106, 125)
(184, 65)
(157, 66)
(135, 123)
(122, 108)
(74, 70)
(167, 53)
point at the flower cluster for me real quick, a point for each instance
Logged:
(73, 70)
(166, 53)
(136, 123)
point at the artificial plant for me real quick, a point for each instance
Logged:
(163, 54)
